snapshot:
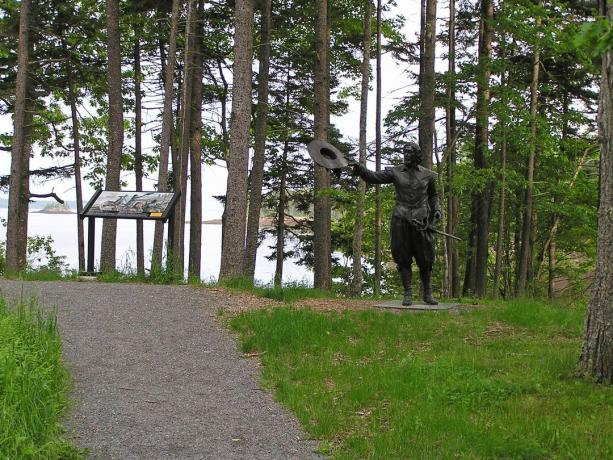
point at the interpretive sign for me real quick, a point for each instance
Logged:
(125, 204)
(131, 205)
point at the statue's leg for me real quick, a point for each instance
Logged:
(401, 252)
(406, 275)
(425, 260)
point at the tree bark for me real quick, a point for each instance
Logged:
(182, 163)
(76, 145)
(195, 228)
(321, 212)
(377, 261)
(257, 170)
(426, 84)
(597, 354)
(115, 128)
(453, 277)
(280, 249)
(525, 248)
(166, 135)
(233, 245)
(138, 154)
(356, 287)
(477, 260)
(19, 181)
(502, 190)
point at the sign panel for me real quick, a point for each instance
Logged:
(131, 205)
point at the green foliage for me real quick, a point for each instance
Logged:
(493, 382)
(595, 37)
(33, 386)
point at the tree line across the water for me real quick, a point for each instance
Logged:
(507, 119)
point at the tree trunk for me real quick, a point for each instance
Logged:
(182, 163)
(597, 354)
(115, 128)
(321, 212)
(426, 84)
(195, 227)
(453, 277)
(356, 287)
(257, 170)
(233, 245)
(76, 144)
(19, 187)
(503, 177)
(525, 249)
(480, 209)
(166, 136)
(280, 250)
(377, 275)
(138, 155)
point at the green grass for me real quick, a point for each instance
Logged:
(33, 386)
(288, 293)
(494, 382)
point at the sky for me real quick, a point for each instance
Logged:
(394, 86)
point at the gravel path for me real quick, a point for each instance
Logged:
(156, 377)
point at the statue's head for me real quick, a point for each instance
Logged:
(412, 154)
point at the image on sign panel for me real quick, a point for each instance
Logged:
(131, 203)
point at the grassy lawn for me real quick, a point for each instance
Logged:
(494, 382)
(33, 384)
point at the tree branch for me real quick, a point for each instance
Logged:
(47, 195)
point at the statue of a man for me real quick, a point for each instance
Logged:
(416, 207)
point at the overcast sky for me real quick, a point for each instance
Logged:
(394, 86)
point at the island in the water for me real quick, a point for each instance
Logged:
(56, 208)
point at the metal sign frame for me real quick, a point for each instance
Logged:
(116, 215)
(167, 215)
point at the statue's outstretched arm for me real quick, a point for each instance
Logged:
(374, 177)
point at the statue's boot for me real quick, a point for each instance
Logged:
(426, 285)
(406, 276)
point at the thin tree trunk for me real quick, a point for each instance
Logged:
(19, 189)
(453, 277)
(182, 164)
(502, 191)
(138, 155)
(280, 249)
(377, 274)
(115, 127)
(321, 217)
(480, 210)
(233, 245)
(525, 249)
(195, 228)
(76, 144)
(166, 136)
(356, 287)
(257, 170)
(426, 84)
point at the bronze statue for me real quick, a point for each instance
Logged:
(417, 206)
(415, 213)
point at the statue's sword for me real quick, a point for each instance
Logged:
(423, 226)
(432, 229)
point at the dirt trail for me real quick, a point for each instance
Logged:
(157, 377)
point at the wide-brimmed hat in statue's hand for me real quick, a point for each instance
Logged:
(325, 154)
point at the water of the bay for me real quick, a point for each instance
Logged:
(63, 229)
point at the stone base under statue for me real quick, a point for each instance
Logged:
(418, 305)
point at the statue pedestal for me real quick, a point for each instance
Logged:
(417, 306)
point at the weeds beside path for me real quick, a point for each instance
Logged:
(156, 376)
